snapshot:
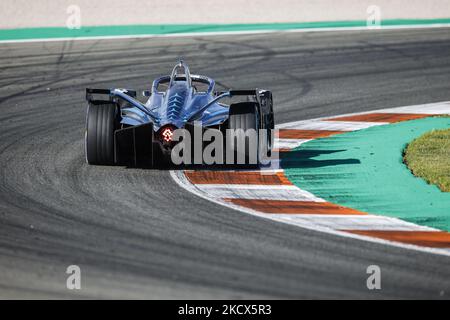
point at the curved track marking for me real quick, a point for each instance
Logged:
(272, 196)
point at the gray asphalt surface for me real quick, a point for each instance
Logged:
(135, 233)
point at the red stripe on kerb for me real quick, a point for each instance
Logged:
(237, 177)
(305, 134)
(381, 117)
(433, 239)
(294, 207)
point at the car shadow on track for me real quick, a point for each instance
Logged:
(289, 160)
(304, 159)
(166, 166)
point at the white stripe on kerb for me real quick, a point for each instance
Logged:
(272, 192)
(330, 125)
(288, 143)
(341, 222)
(431, 108)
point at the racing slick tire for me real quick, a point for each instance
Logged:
(101, 122)
(244, 116)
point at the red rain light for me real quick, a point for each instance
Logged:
(167, 134)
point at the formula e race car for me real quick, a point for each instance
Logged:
(121, 130)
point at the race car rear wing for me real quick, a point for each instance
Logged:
(125, 94)
(90, 92)
(238, 93)
(258, 94)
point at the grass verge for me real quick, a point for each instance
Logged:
(428, 157)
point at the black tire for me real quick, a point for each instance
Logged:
(244, 116)
(268, 122)
(101, 122)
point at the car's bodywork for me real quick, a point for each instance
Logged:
(175, 101)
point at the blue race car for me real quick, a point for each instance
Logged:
(122, 130)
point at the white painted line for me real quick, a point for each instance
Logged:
(341, 222)
(330, 125)
(141, 36)
(266, 192)
(225, 33)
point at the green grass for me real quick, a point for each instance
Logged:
(428, 157)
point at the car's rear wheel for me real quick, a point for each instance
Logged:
(101, 122)
(244, 121)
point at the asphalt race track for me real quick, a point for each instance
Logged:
(135, 233)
